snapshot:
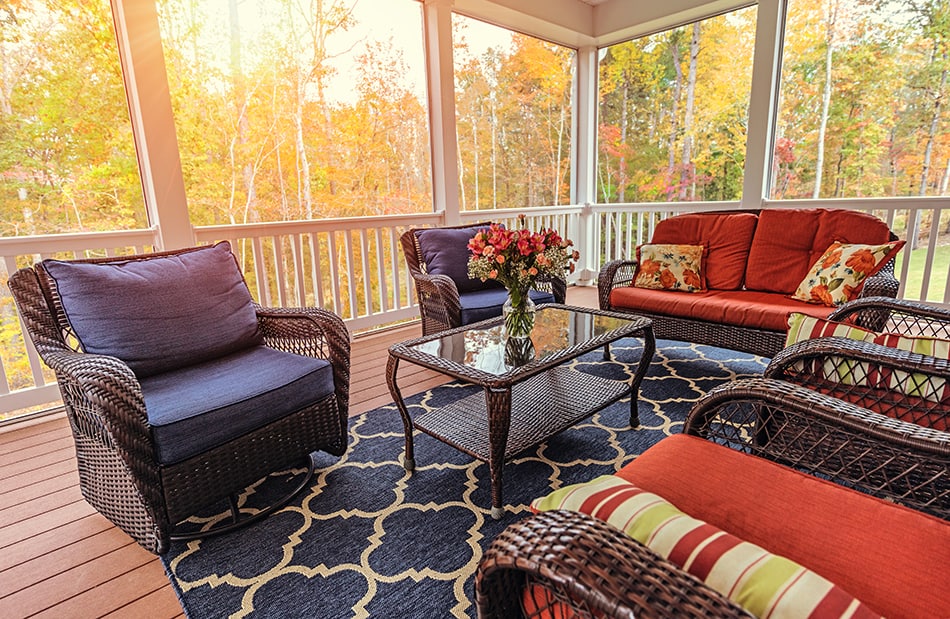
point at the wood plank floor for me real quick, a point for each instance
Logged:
(60, 558)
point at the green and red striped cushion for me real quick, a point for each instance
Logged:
(765, 584)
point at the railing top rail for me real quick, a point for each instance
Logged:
(208, 233)
(79, 241)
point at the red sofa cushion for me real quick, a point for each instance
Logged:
(787, 242)
(890, 557)
(744, 308)
(727, 237)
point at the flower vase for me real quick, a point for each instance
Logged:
(518, 351)
(518, 311)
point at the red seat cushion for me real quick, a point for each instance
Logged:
(744, 308)
(892, 558)
(787, 242)
(727, 237)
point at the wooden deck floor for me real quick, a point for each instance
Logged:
(60, 558)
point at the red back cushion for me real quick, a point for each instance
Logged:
(787, 243)
(727, 237)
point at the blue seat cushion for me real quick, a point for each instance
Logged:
(159, 313)
(485, 304)
(194, 409)
(445, 252)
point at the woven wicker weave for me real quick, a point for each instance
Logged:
(118, 470)
(763, 342)
(439, 304)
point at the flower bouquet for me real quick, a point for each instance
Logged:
(517, 258)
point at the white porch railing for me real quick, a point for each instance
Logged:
(355, 267)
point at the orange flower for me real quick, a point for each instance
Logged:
(667, 279)
(831, 258)
(691, 279)
(650, 267)
(500, 258)
(820, 294)
(861, 261)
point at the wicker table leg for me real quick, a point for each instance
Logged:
(498, 406)
(409, 460)
(649, 347)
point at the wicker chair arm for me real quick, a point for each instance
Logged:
(592, 568)
(830, 438)
(881, 284)
(896, 315)
(557, 286)
(314, 332)
(613, 275)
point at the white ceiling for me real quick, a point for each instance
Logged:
(578, 23)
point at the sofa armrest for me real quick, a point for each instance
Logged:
(613, 275)
(589, 567)
(828, 437)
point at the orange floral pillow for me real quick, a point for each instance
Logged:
(839, 274)
(670, 267)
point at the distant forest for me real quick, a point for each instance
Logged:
(263, 137)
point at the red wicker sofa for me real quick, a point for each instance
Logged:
(891, 558)
(753, 262)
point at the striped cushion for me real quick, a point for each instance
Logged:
(802, 327)
(766, 585)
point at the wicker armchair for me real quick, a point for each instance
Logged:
(902, 415)
(595, 571)
(441, 304)
(123, 472)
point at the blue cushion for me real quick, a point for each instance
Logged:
(194, 409)
(445, 252)
(485, 304)
(161, 313)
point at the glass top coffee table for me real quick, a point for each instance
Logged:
(528, 395)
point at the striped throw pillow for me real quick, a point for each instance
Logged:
(765, 584)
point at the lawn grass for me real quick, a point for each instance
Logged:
(915, 273)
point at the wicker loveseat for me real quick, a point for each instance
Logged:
(753, 262)
(890, 557)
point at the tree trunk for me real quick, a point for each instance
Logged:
(686, 174)
(624, 126)
(674, 116)
(825, 96)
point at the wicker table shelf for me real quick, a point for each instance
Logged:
(528, 396)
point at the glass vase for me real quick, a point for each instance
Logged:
(518, 311)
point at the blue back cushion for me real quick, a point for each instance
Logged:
(445, 252)
(161, 313)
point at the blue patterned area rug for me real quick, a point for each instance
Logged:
(368, 539)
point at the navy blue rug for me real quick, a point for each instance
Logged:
(367, 539)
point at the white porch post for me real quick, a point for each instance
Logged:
(584, 154)
(143, 69)
(440, 79)
(766, 65)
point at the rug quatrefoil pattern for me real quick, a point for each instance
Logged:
(368, 539)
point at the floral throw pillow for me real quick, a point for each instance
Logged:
(840, 272)
(670, 267)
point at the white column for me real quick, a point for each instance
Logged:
(584, 160)
(766, 65)
(143, 69)
(440, 72)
